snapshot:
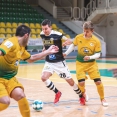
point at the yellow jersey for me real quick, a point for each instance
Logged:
(12, 54)
(86, 47)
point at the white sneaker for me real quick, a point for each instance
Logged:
(104, 103)
(86, 97)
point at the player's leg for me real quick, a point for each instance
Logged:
(81, 85)
(46, 73)
(77, 90)
(16, 92)
(62, 70)
(18, 95)
(4, 98)
(81, 77)
(95, 75)
(4, 102)
(75, 86)
(100, 89)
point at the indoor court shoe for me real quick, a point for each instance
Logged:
(104, 103)
(57, 96)
(82, 100)
(86, 96)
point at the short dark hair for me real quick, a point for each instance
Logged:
(46, 22)
(88, 25)
(22, 30)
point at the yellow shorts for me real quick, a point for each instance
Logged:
(7, 86)
(90, 68)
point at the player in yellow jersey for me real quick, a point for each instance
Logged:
(89, 49)
(12, 50)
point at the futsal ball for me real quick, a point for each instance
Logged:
(37, 105)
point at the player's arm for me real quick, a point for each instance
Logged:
(6, 46)
(114, 71)
(43, 49)
(94, 56)
(52, 49)
(69, 50)
(66, 41)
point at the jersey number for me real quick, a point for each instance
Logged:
(62, 75)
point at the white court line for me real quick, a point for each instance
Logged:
(62, 82)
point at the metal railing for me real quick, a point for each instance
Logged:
(112, 3)
(103, 4)
(79, 13)
(76, 13)
(52, 2)
(99, 36)
(91, 7)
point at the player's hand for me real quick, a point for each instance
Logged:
(64, 55)
(43, 49)
(67, 42)
(114, 70)
(53, 49)
(86, 58)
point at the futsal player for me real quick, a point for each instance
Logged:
(56, 62)
(89, 49)
(12, 50)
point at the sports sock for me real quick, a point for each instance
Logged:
(82, 88)
(100, 89)
(77, 90)
(24, 107)
(50, 85)
(3, 106)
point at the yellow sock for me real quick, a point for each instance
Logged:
(82, 88)
(3, 106)
(100, 89)
(24, 107)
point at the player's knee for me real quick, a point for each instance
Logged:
(19, 96)
(70, 81)
(5, 100)
(43, 78)
(81, 82)
(97, 81)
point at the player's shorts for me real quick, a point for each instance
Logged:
(87, 68)
(59, 67)
(7, 86)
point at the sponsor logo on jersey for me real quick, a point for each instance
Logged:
(91, 44)
(8, 44)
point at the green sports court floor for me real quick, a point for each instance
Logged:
(103, 72)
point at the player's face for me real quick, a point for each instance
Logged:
(88, 33)
(46, 29)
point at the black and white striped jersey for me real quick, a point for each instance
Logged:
(55, 38)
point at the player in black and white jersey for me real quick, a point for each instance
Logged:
(56, 62)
